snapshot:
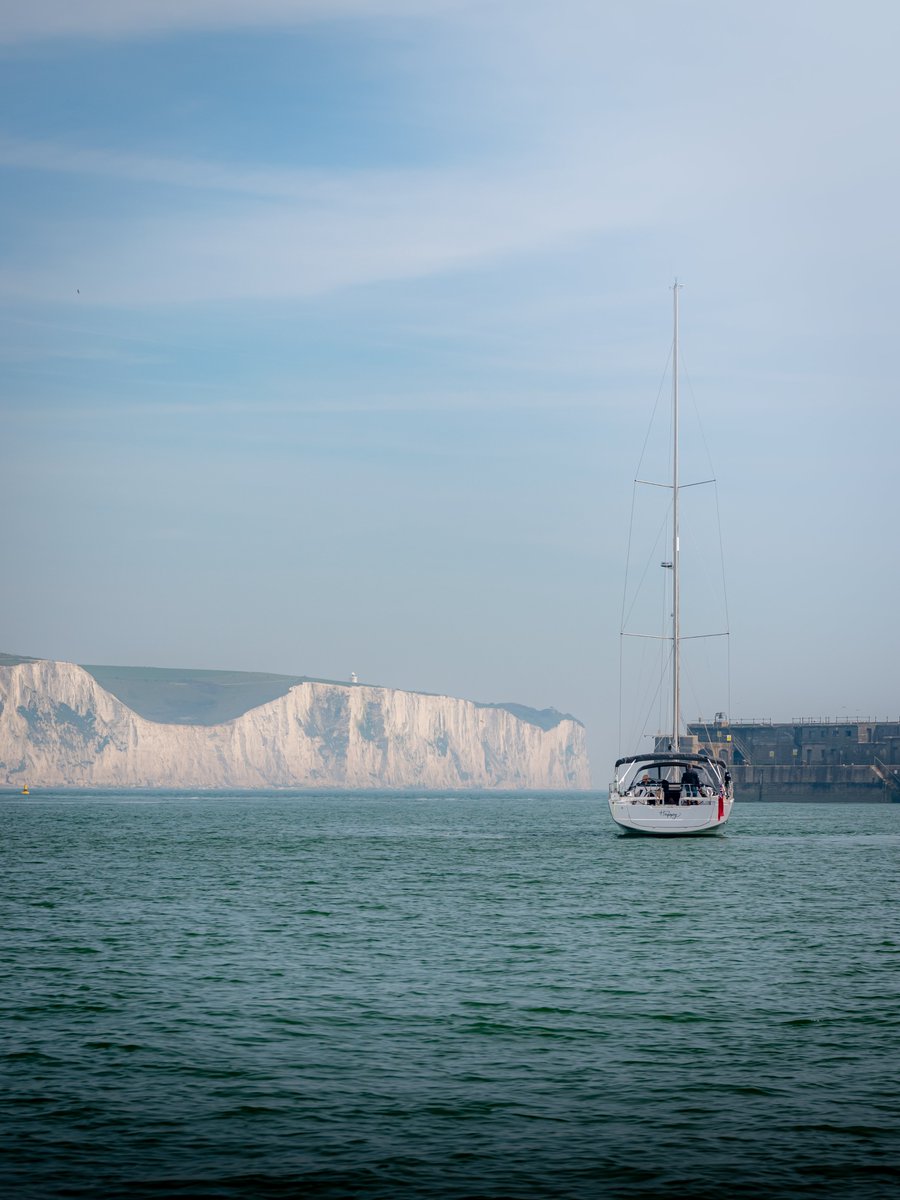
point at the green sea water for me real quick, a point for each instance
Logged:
(345, 995)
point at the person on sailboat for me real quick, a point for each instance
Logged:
(690, 782)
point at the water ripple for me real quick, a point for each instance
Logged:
(490, 997)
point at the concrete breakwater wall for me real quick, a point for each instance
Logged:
(837, 785)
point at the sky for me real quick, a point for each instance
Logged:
(330, 331)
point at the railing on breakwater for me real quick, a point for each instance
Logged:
(749, 722)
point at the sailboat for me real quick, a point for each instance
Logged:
(672, 790)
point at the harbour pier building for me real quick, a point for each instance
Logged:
(807, 758)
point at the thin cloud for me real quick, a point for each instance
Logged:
(370, 403)
(169, 172)
(25, 20)
(29, 354)
(310, 233)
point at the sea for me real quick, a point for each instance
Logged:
(346, 995)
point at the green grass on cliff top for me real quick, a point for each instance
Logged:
(179, 696)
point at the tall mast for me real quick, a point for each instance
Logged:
(676, 644)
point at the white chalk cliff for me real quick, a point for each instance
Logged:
(60, 728)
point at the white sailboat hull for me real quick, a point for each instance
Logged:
(701, 816)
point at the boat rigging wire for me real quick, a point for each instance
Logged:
(628, 608)
(709, 459)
